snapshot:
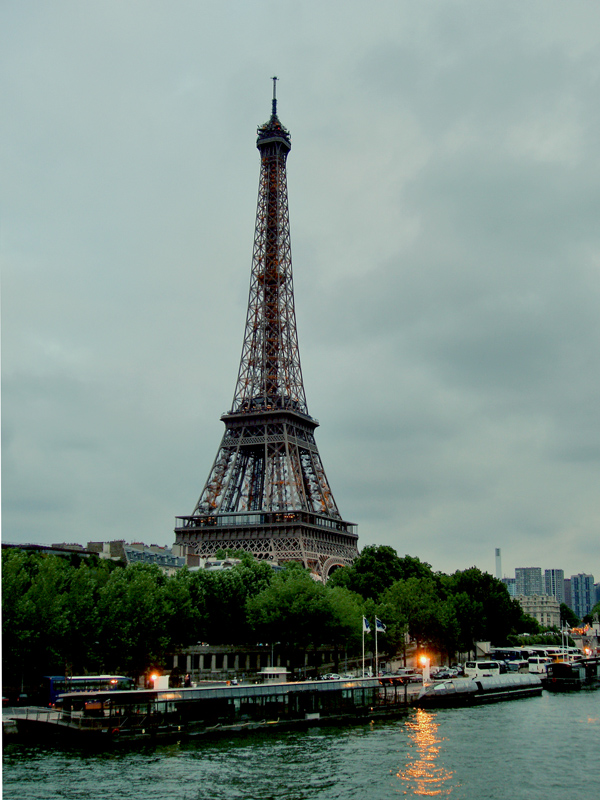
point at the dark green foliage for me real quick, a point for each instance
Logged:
(291, 610)
(516, 640)
(483, 607)
(528, 624)
(134, 617)
(225, 597)
(448, 612)
(376, 569)
(92, 616)
(88, 617)
(568, 616)
(299, 613)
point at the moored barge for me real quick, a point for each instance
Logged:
(211, 711)
(565, 676)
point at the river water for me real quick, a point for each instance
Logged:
(543, 747)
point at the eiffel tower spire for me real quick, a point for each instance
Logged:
(267, 492)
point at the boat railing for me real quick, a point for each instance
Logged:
(39, 714)
(64, 718)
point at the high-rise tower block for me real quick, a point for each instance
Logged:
(267, 492)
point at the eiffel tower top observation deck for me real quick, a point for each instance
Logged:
(267, 492)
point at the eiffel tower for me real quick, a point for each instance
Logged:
(267, 492)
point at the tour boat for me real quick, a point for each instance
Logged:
(464, 691)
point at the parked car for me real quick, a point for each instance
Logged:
(411, 675)
(332, 676)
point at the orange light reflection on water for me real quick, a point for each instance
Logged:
(423, 775)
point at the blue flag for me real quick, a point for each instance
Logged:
(379, 626)
(366, 626)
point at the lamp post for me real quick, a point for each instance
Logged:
(425, 663)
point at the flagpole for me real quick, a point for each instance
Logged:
(363, 647)
(376, 654)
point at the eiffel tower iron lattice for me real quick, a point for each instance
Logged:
(267, 492)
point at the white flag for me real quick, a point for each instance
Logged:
(366, 626)
(379, 626)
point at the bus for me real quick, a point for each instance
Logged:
(478, 669)
(506, 654)
(53, 686)
(539, 664)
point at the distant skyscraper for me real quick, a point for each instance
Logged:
(511, 585)
(554, 580)
(568, 596)
(582, 594)
(529, 581)
(498, 564)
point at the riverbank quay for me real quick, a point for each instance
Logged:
(100, 719)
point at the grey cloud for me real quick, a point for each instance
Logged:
(443, 195)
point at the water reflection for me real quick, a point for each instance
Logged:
(423, 773)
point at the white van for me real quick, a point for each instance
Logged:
(480, 669)
(539, 664)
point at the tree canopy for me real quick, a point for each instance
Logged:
(376, 569)
(93, 616)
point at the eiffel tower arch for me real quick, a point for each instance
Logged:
(267, 492)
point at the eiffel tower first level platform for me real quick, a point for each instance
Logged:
(267, 492)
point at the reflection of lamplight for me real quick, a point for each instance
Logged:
(425, 662)
(424, 774)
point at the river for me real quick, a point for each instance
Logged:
(543, 747)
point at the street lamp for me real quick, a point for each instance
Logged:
(425, 663)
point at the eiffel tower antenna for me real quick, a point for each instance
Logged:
(274, 101)
(267, 492)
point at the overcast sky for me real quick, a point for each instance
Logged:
(444, 204)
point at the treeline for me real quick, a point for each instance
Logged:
(93, 616)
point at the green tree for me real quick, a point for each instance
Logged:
(417, 601)
(184, 618)
(376, 569)
(344, 624)
(468, 612)
(228, 593)
(395, 619)
(18, 618)
(568, 617)
(292, 610)
(528, 624)
(50, 614)
(134, 619)
(47, 604)
(212, 605)
(82, 651)
(486, 611)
